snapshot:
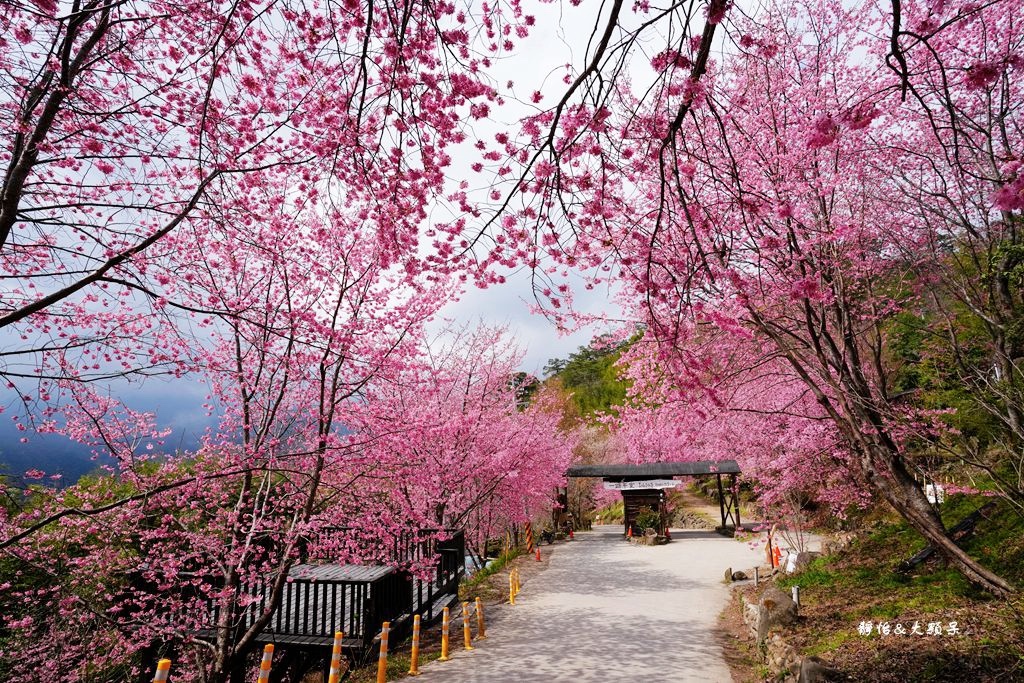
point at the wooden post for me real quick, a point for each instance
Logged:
(721, 498)
(757, 576)
(625, 515)
(736, 498)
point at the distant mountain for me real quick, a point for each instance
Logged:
(51, 453)
(177, 404)
(55, 454)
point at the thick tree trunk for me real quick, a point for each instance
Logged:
(886, 473)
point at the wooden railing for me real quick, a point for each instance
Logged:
(312, 609)
(320, 599)
(429, 594)
(409, 551)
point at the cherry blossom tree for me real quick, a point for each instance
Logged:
(132, 127)
(466, 451)
(442, 441)
(762, 416)
(232, 191)
(163, 161)
(759, 200)
(308, 331)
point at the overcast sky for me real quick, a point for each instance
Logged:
(509, 305)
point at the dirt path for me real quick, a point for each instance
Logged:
(701, 506)
(609, 611)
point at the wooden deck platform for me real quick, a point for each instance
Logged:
(320, 599)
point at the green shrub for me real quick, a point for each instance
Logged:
(647, 518)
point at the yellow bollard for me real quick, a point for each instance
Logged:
(445, 623)
(163, 670)
(382, 660)
(335, 674)
(481, 631)
(268, 658)
(414, 666)
(467, 637)
(512, 587)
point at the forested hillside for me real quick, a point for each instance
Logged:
(592, 377)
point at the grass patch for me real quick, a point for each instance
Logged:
(611, 514)
(869, 566)
(480, 577)
(818, 573)
(830, 642)
(861, 584)
(398, 667)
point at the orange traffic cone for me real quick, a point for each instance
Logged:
(776, 557)
(667, 534)
(571, 536)
(538, 554)
(629, 532)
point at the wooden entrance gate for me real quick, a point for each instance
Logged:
(630, 479)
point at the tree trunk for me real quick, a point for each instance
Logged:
(880, 462)
(902, 492)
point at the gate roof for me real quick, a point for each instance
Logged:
(655, 469)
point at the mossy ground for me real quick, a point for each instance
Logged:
(861, 584)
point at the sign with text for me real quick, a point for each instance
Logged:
(643, 484)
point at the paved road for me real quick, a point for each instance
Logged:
(608, 611)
